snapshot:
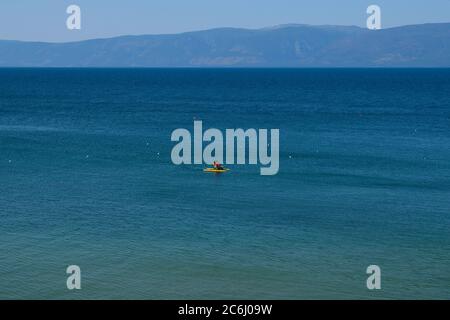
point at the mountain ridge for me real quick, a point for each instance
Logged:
(291, 45)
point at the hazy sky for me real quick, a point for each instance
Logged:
(45, 20)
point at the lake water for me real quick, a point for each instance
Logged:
(86, 179)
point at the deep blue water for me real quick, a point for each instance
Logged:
(86, 179)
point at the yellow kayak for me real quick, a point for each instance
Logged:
(215, 170)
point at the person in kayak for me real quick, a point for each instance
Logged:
(217, 166)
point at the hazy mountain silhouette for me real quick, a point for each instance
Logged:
(426, 45)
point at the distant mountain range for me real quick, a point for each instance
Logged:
(426, 45)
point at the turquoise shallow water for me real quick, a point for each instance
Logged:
(86, 179)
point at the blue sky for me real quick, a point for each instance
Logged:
(44, 20)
